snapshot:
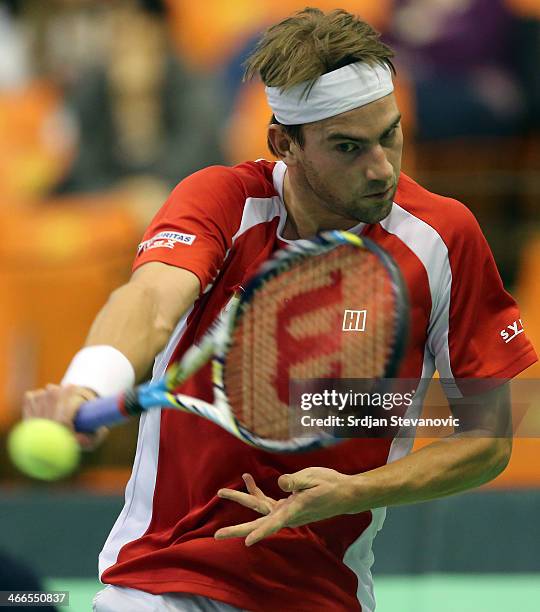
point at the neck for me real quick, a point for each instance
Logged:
(306, 214)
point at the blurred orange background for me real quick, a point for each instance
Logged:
(97, 123)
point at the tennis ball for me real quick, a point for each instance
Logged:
(43, 449)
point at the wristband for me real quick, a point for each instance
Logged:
(103, 369)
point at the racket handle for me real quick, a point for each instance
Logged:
(97, 413)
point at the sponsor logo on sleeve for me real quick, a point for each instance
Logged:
(166, 240)
(511, 331)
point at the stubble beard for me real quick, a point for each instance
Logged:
(352, 209)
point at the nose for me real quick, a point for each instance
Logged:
(378, 167)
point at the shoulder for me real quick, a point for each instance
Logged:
(226, 183)
(220, 197)
(454, 223)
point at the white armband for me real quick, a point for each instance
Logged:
(104, 369)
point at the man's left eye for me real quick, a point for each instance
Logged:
(346, 147)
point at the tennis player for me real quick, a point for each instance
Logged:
(210, 523)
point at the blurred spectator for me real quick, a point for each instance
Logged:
(474, 69)
(528, 48)
(14, 56)
(36, 136)
(463, 59)
(139, 111)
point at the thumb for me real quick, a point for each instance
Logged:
(295, 482)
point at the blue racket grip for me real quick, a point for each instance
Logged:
(97, 413)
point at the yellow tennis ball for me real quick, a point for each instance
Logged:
(43, 449)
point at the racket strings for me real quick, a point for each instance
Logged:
(296, 327)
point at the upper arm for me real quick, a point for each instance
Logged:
(173, 290)
(181, 253)
(195, 228)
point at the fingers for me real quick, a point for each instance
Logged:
(70, 399)
(246, 499)
(89, 442)
(295, 482)
(253, 489)
(304, 479)
(42, 403)
(263, 531)
(61, 404)
(238, 531)
(276, 513)
(251, 486)
(254, 531)
(254, 499)
(286, 482)
(268, 525)
(30, 406)
(282, 516)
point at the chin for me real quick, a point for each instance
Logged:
(376, 212)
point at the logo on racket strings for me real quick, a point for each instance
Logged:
(354, 320)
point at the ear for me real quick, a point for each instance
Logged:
(286, 149)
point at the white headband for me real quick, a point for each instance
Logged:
(334, 93)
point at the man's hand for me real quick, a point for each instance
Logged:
(61, 404)
(316, 493)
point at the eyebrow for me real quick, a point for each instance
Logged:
(342, 136)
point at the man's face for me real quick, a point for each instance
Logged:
(350, 163)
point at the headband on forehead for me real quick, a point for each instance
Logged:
(333, 93)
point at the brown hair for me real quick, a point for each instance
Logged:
(309, 44)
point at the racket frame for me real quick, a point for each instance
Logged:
(217, 340)
(220, 411)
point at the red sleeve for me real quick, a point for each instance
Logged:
(476, 330)
(195, 226)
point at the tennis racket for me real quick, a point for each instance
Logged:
(291, 322)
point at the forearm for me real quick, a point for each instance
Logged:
(130, 322)
(451, 465)
(137, 321)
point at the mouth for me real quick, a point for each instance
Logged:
(381, 195)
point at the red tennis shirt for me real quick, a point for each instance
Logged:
(221, 223)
